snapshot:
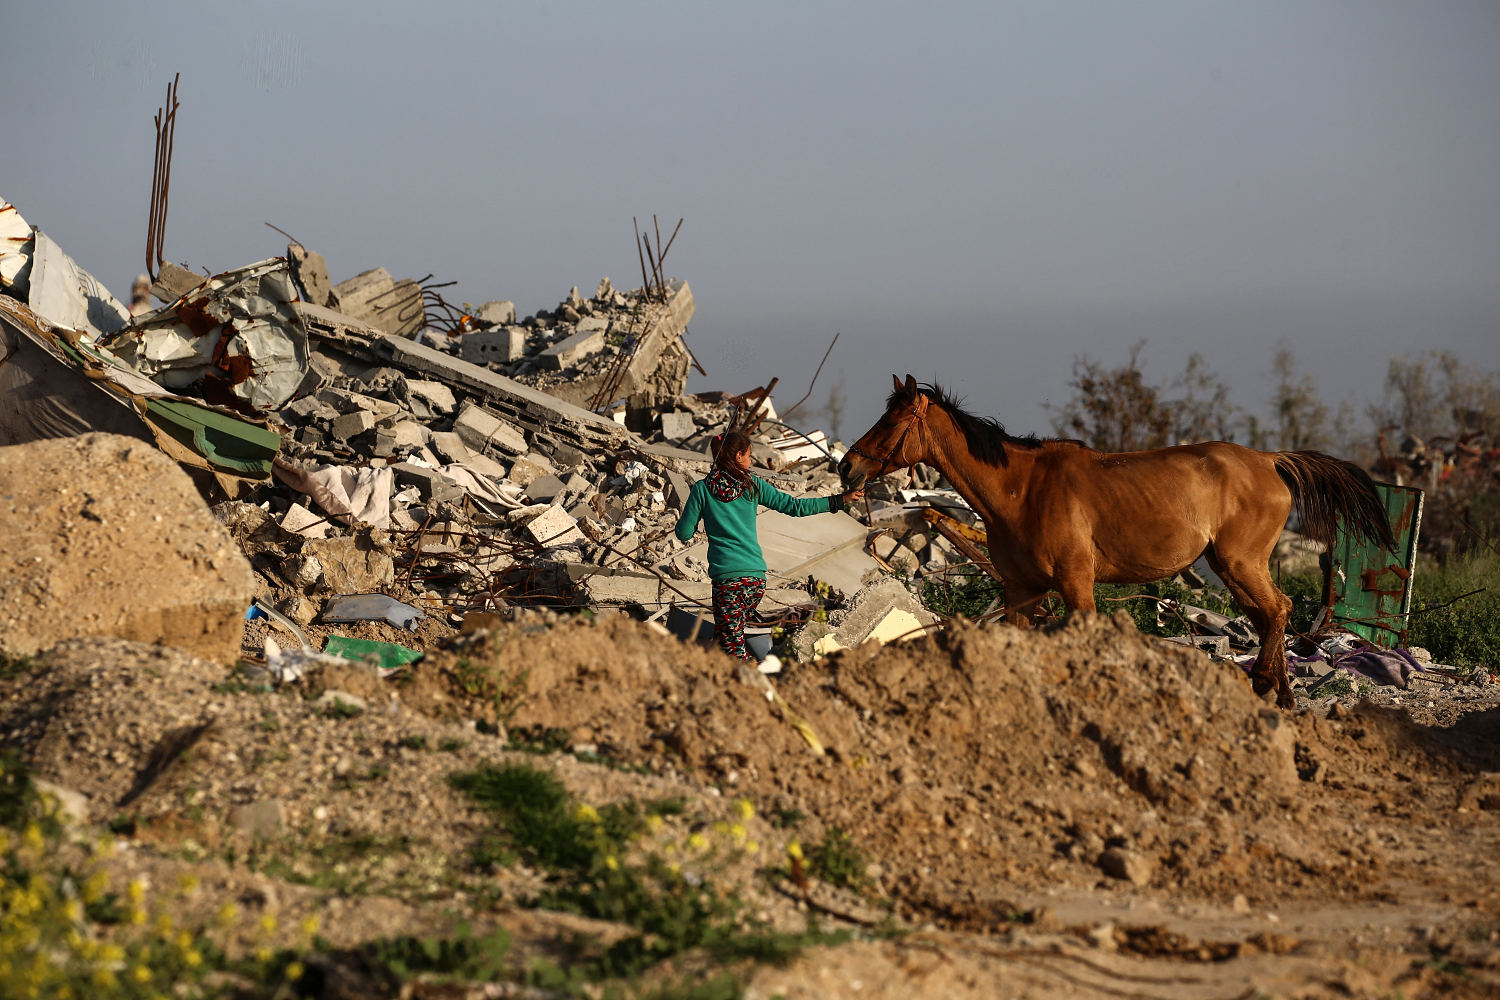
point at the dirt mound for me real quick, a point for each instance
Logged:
(1078, 756)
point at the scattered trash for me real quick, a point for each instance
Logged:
(387, 656)
(371, 607)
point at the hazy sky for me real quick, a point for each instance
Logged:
(974, 193)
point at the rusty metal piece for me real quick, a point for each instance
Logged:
(161, 180)
(962, 536)
(748, 420)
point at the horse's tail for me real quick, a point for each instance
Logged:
(1326, 489)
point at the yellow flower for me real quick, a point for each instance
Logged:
(227, 914)
(654, 823)
(611, 863)
(738, 832)
(32, 838)
(164, 924)
(294, 971)
(753, 846)
(310, 924)
(191, 958)
(93, 886)
(745, 808)
(794, 850)
(268, 923)
(136, 915)
(135, 891)
(697, 841)
(111, 953)
(73, 910)
(104, 979)
(586, 813)
(141, 974)
(184, 942)
(188, 884)
(263, 954)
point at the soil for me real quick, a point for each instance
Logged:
(1080, 811)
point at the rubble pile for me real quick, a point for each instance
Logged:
(352, 443)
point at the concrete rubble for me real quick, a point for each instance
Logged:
(354, 444)
(466, 468)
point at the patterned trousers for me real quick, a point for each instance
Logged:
(733, 602)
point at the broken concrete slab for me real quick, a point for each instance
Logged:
(553, 527)
(86, 556)
(520, 402)
(351, 564)
(566, 352)
(483, 431)
(376, 298)
(529, 467)
(310, 271)
(677, 425)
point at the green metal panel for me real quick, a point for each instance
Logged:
(1371, 585)
(228, 443)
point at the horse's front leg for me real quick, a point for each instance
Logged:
(1077, 589)
(1021, 602)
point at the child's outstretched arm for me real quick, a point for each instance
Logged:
(770, 496)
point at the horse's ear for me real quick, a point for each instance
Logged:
(895, 382)
(911, 385)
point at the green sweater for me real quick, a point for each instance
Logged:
(733, 548)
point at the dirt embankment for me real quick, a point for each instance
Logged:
(1086, 786)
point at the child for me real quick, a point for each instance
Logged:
(727, 502)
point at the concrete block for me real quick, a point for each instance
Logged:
(352, 425)
(350, 564)
(432, 483)
(545, 489)
(553, 527)
(566, 353)
(483, 431)
(496, 313)
(311, 272)
(494, 346)
(528, 467)
(678, 426)
(450, 447)
(403, 435)
(437, 396)
(105, 535)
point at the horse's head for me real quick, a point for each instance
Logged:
(895, 442)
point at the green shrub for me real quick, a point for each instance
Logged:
(1466, 633)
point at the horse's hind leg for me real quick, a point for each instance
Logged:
(1249, 580)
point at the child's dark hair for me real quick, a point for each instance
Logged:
(725, 447)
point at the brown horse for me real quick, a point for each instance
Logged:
(1062, 516)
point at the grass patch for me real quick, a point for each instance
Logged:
(595, 867)
(1466, 633)
(837, 861)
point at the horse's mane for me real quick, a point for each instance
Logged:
(986, 436)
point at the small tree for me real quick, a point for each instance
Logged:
(1301, 418)
(1118, 410)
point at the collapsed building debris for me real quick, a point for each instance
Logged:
(374, 466)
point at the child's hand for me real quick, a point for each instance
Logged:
(854, 496)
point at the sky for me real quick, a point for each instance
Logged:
(974, 193)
